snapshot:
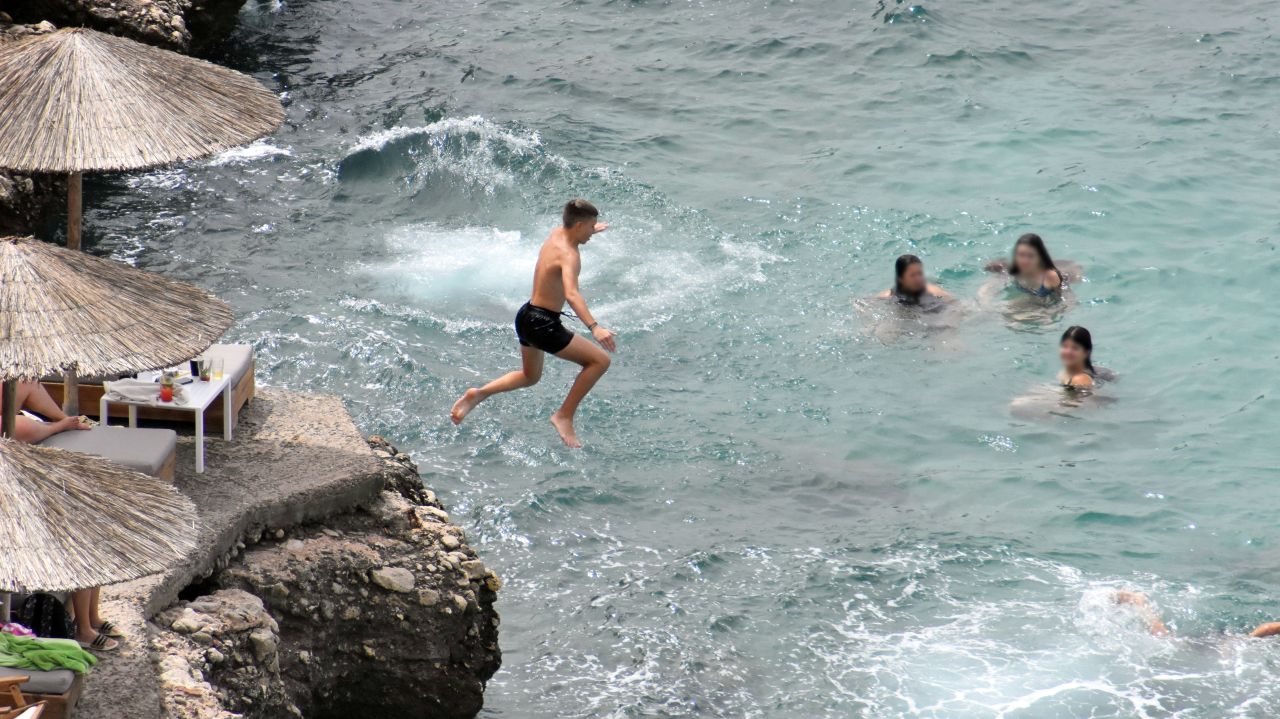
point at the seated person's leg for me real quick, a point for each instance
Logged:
(33, 396)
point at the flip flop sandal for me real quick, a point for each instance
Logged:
(110, 629)
(102, 643)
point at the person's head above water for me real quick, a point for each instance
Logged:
(1030, 256)
(1076, 350)
(579, 219)
(909, 282)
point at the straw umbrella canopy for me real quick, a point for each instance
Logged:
(78, 100)
(62, 310)
(69, 521)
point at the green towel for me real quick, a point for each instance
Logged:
(44, 654)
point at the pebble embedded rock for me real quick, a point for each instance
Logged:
(394, 579)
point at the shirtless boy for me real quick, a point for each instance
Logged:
(538, 326)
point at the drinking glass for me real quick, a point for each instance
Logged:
(205, 367)
(218, 365)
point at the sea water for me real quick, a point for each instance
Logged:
(791, 503)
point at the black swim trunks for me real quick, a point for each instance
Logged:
(541, 328)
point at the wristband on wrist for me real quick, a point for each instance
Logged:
(592, 326)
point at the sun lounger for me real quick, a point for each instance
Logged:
(57, 691)
(150, 451)
(32, 711)
(238, 364)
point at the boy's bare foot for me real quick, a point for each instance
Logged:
(465, 404)
(564, 426)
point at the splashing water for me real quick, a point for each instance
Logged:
(794, 501)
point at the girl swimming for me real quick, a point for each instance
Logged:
(1076, 351)
(910, 287)
(1076, 382)
(1034, 289)
(1033, 270)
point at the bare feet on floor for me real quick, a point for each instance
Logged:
(465, 404)
(564, 426)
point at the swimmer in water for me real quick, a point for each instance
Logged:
(909, 285)
(1076, 351)
(1155, 624)
(538, 326)
(1076, 381)
(1034, 272)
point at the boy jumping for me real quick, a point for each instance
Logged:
(538, 327)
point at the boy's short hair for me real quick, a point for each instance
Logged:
(577, 210)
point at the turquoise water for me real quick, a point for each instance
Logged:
(789, 507)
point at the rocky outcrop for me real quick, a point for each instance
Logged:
(181, 25)
(383, 612)
(220, 659)
(25, 199)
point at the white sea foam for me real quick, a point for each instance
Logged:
(249, 153)
(1049, 641)
(438, 262)
(474, 124)
(471, 152)
(636, 285)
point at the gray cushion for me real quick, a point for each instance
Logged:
(57, 681)
(143, 449)
(236, 359)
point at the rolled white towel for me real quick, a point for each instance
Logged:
(136, 390)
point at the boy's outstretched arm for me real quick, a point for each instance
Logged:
(569, 272)
(1268, 629)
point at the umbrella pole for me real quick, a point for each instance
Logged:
(75, 203)
(10, 408)
(70, 393)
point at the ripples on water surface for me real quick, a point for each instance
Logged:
(781, 513)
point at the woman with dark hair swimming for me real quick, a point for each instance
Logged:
(1038, 285)
(1032, 268)
(1076, 351)
(1076, 382)
(910, 287)
(912, 307)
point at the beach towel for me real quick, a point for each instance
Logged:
(44, 654)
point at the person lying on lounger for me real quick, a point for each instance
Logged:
(32, 396)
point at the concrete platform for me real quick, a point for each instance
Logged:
(295, 458)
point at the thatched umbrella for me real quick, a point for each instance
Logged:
(78, 100)
(61, 310)
(68, 521)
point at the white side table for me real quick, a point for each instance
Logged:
(196, 398)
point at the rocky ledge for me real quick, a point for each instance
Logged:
(380, 612)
